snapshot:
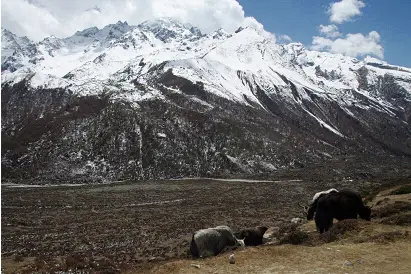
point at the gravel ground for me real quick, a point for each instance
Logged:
(132, 225)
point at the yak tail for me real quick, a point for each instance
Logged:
(194, 249)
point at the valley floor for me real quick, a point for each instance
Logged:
(142, 227)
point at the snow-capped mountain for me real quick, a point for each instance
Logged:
(161, 99)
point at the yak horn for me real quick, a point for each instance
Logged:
(302, 206)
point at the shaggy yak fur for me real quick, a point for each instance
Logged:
(212, 241)
(346, 204)
(313, 206)
(253, 236)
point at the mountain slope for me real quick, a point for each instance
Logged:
(161, 100)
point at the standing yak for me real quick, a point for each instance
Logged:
(345, 204)
(312, 207)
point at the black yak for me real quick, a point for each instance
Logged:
(252, 236)
(345, 204)
(212, 241)
(312, 207)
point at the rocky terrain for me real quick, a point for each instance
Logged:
(162, 100)
(146, 226)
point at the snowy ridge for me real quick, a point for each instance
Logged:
(234, 66)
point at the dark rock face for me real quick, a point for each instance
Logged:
(362, 78)
(385, 86)
(332, 75)
(389, 89)
(88, 32)
(51, 135)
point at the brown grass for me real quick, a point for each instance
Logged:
(365, 257)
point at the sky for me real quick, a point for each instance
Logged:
(357, 28)
(301, 21)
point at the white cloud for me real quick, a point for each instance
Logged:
(321, 43)
(344, 10)
(329, 31)
(284, 38)
(19, 16)
(39, 18)
(353, 45)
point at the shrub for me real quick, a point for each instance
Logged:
(295, 238)
(391, 209)
(339, 229)
(387, 237)
(402, 190)
(398, 219)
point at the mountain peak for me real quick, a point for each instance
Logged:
(167, 29)
(6, 31)
(88, 32)
(122, 23)
(9, 39)
(108, 33)
(122, 27)
(163, 21)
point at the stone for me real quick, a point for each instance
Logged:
(360, 261)
(348, 263)
(231, 259)
(271, 232)
(296, 220)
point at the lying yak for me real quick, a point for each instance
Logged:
(312, 207)
(212, 241)
(252, 236)
(345, 204)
